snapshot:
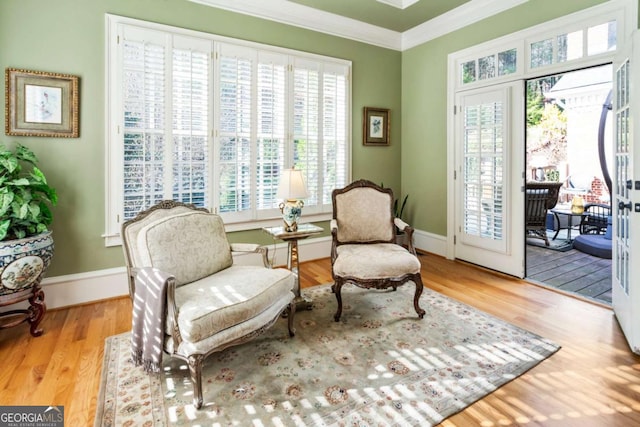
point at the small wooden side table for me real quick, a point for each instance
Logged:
(293, 264)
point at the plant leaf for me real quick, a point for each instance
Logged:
(9, 164)
(4, 228)
(23, 211)
(6, 198)
(19, 182)
(25, 154)
(34, 211)
(38, 176)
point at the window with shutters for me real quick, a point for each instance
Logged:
(213, 121)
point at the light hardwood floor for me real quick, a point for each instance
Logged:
(594, 380)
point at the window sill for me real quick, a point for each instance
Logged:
(116, 239)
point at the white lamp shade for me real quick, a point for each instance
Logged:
(292, 185)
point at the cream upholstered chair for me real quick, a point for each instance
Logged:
(364, 250)
(210, 303)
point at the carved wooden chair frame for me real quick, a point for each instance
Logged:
(378, 283)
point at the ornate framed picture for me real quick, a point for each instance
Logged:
(376, 126)
(41, 104)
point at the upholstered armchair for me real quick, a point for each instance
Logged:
(364, 250)
(189, 298)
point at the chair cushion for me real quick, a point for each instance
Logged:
(132, 230)
(229, 297)
(190, 246)
(593, 244)
(374, 261)
(364, 215)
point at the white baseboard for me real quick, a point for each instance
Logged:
(429, 242)
(82, 288)
(74, 289)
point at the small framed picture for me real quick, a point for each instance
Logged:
(41, 104)
(376, 126)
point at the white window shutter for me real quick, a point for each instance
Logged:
(190, 102)
(271, 129)
(144, 79)
(206, 120)
(234, 152)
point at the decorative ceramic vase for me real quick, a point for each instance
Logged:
(22, 265)
(291, 211)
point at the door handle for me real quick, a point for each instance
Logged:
(623, 205)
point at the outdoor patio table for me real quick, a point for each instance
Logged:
(570, 215)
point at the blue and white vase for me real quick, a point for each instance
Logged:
(22, 266)
(291, 211)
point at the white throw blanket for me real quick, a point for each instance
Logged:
(148, 323)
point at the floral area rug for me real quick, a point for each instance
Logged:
(380, 365)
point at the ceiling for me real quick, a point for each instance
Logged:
(393, 24)
(386, 13)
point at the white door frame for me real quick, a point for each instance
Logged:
(625, 11)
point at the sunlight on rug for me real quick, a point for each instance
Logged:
(380, 365)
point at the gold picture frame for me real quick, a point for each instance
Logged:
(39, 103)
(376, 126)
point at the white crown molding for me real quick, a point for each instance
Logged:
(290, 13)
(460, 17)
(400, 4)
(298, 15)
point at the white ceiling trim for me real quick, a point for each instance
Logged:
(309, 18)
(400, 4)
(298, 15)
(460, 17)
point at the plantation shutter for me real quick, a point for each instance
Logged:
(190, 154)
(307, 126)
(144, 82)
(483, 171)
(234, 148)
(320, 120)
(213, 122)
(334, 148)
(165, 92)
(271, 129)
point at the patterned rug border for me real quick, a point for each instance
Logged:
(106, 403)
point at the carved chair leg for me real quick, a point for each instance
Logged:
(195, 369)
(37, 309)
(292, 312)
(416, 298)
(337, 288)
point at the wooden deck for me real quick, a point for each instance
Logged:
(573, 271)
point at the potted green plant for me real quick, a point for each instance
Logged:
(26, 244)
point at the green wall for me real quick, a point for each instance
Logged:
(424, 102)
(68, 36)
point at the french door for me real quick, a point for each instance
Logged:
(489, 157)
(626, 200)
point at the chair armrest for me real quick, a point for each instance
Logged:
(400, 224)
(161, 278)
(333, 226)
(245, 247)
(408, 230)
(251, 248)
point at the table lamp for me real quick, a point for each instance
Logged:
(291, 189)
